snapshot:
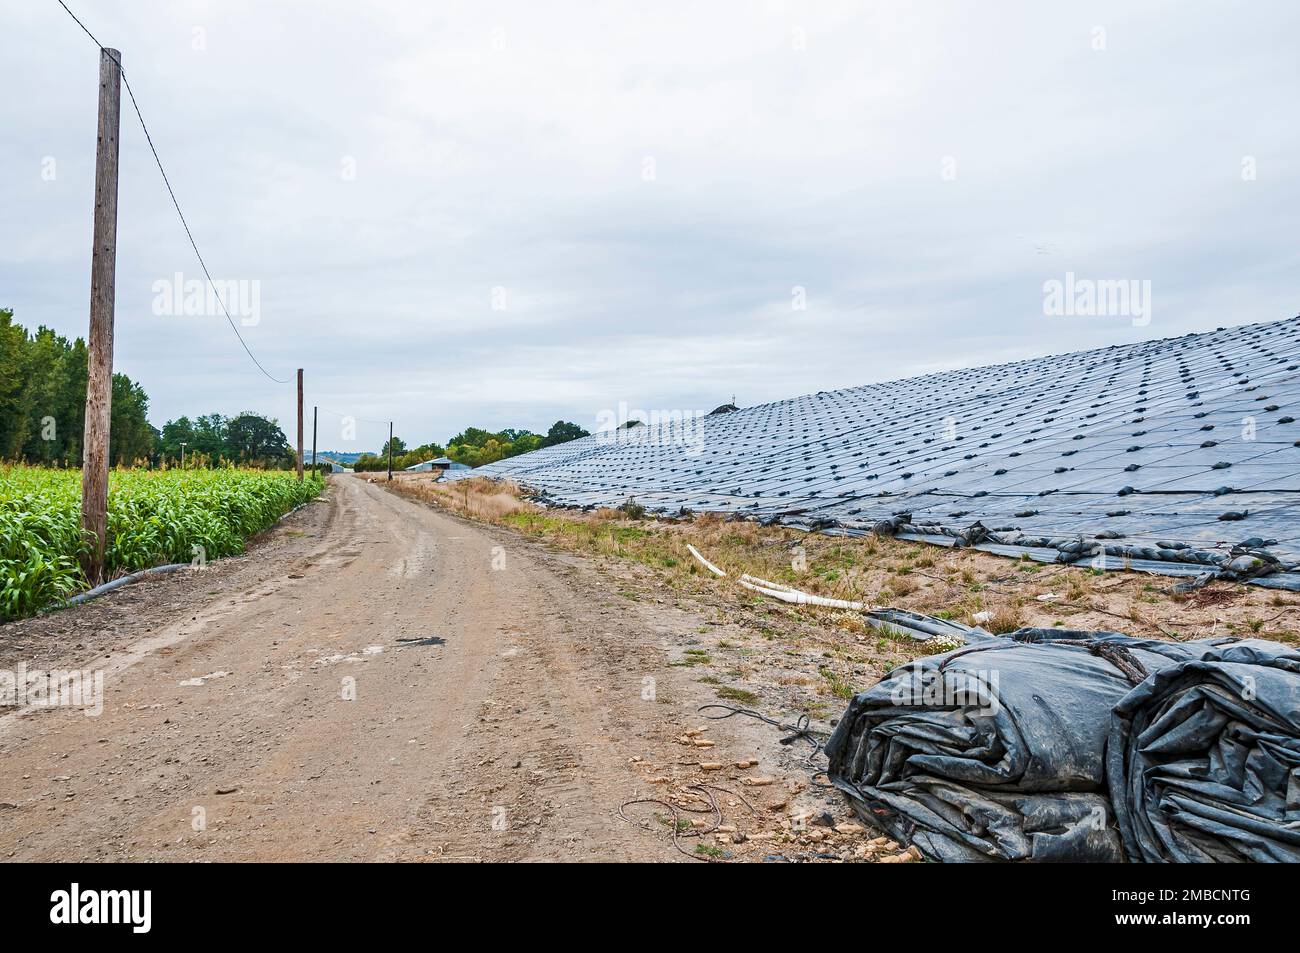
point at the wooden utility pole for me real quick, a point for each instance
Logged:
(313, 439)
(390, 450)
(99, 360)
(300, 425)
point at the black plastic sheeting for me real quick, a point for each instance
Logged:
(920, 628)
(1204, 757)
(1054, 745)
(1179, 455)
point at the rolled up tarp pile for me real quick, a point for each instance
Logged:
(999, 750)
(1204, 758)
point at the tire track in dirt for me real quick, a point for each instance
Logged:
(226, 735)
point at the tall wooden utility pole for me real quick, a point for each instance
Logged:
(390, 450)
(99, 361)
(300, 424)
(313, 439)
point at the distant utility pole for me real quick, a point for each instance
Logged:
(300, 424)
(313, 439)
(390, 450)
(99, 361)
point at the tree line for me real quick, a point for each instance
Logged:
(43, 410)
(43, 413)
(248, 439)
(473, 447)
(43, 401)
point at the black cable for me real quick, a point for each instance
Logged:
(83, 26)
(800, 730)
(167, 182)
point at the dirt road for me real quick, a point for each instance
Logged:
(274, 706)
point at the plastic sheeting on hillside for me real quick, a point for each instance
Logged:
(998, 750)
(1204, 758)
(1177, 456)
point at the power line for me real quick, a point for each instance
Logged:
(177, 204)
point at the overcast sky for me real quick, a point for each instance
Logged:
(501, 214)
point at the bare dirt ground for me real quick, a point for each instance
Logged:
(274, 707)
(571, 652)
(803, 660)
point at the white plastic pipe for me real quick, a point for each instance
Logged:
(802, 598)
(778, 590)
(808, 597)
(704, 562)
(767, 583)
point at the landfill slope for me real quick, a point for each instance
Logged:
(1176, 455)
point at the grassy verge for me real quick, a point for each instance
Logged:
(760, 653)
(965, 585)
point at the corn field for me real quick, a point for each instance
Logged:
(154, 517)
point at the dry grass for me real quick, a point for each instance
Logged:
(475, 498)
(955, 584)
(1007, 618)
(789, 659)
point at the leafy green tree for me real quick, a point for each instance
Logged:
(475, 446)
(211, 436)
(72, 408)
(44, 372)
(525, 443)
(562, 431)
(470, 437)
(174, 433)
(43, 406)
(428, 451)
(43, 401)
(130, 437)
(13, 416)
(251, 438)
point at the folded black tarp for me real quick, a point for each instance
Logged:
(1204, 758)
(996, 751)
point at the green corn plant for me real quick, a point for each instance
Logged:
(154, 517)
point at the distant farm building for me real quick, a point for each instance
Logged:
(440, 464)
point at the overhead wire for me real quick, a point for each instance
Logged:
(175, 202)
